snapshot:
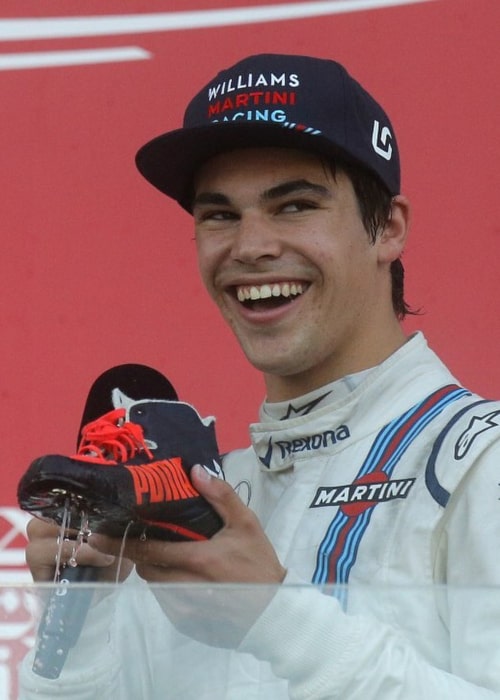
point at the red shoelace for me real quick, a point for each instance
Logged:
(111, 439)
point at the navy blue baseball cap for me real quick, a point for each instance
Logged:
(274, 100)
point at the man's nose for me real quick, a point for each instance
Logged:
(255, 238)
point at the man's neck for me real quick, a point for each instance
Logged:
(286, 388)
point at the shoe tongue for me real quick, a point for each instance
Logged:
(175, 429)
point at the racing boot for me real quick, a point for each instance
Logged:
(131, 473)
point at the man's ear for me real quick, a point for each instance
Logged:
(392, 240)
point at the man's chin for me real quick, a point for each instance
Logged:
(276, 366)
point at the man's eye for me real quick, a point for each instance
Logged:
(215, 215)
(297, 206)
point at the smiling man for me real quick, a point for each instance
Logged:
(370, 463)
(284, 253)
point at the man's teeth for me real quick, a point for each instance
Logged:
(266, 291)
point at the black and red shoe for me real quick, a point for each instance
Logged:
(131, 472)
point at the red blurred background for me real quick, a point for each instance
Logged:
(97, 268)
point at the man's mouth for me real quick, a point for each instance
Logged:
(269, 296)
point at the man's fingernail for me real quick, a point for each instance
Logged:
(201, 473)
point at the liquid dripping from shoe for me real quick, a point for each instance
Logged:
(83, 534)
(120, 555)
(61, 538)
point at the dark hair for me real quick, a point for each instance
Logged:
(375, 206)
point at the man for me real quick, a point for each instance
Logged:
(370, 463)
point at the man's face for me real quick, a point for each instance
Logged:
(283, 252)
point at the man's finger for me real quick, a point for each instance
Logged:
(150, 551)
(219, 494)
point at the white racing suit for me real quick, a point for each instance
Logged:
(384, 481)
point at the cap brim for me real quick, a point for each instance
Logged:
(170, 161)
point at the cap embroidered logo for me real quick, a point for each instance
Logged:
(382, 138)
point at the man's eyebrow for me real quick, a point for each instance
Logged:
(216, 198)
(295, 187)
(282, 190)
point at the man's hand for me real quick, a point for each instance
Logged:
(42, 549)
(239, 553)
